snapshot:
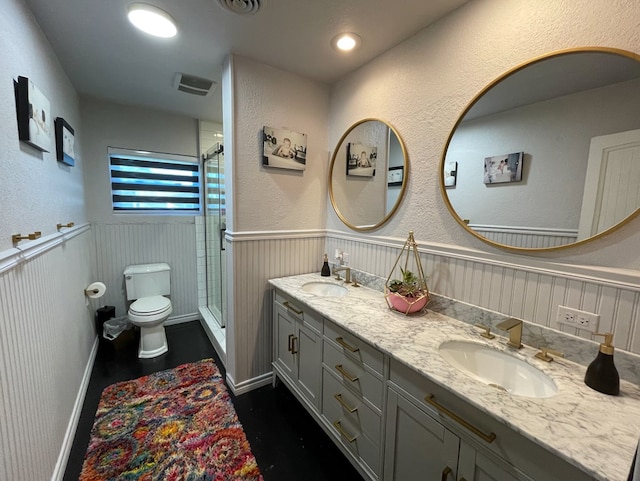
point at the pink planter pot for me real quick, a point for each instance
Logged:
(407, 305)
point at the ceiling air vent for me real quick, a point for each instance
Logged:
(194, 85)
(241, 7)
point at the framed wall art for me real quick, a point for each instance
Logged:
(65, 142)
(450, 173)
(395, 176)
(361, 159)
(503, 168)
(34, 115)
(284, 149)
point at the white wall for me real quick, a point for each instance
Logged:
(274, 216)
(46, 330)
(125, 239)
(422, 86)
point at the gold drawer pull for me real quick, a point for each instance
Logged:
(343, 433)
(344, 403)
(291, 308)
(293, 345)
(344, 344)
(289, 348)
(489, 438)
(446, 472)
(342, 371)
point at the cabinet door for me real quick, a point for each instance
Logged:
(307, 346)
(474, 465)
(285, 326)
(417, 448)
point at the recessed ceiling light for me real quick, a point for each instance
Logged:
(152, 20)
(346, 42)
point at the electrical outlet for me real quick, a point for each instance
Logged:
(578, 319)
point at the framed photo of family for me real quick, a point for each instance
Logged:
(284, 149)
(34, 115)
(65, 142)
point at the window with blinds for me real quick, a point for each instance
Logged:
(152, 182)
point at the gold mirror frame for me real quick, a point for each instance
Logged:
(403, 187)
(476, 98)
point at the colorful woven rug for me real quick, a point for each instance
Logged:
(173, 425)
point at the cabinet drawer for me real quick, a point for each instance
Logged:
(299, 311)
(354, 347)
(335, 395)
(359, 431)
(353, 374)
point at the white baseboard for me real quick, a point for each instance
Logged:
(67, 443)
(194, 316)
(249, 384)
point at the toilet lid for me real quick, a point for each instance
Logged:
(150, 305)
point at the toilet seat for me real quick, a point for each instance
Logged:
(150, 309)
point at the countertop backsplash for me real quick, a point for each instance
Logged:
(574, 348)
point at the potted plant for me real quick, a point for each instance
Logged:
(410, 293)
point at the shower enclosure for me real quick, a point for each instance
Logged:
(214, 228)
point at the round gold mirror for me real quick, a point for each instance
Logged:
(368, 174)
(547, 156)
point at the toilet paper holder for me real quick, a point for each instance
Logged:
(95, 290)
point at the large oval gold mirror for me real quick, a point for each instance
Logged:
(548, 155)
(368, 174)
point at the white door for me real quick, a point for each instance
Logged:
(612, 185)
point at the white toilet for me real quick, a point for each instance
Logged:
(147, 284)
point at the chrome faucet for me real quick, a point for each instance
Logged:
(514, 328)
(347, 275)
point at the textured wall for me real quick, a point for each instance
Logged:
(36, 192)
(422, 86)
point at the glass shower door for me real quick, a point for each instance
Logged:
(215, 226)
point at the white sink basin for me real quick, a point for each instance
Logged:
(498, 369)
(326, 289)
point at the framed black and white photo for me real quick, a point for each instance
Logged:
(395, 176)
(450, 173)
(361, 159)
(284, 149)
(65, 142)
(500, 169)
(34, 115)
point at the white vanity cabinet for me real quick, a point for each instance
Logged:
(432, 434)
(297, 348)
(353, 396)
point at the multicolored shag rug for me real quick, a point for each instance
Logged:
(173, 425)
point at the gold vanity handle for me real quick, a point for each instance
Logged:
(291, 308)
(347, 346)
(446, 472)
(344, 404)
(343, 371)
(343, 433)
(489, 438)
(293, 345)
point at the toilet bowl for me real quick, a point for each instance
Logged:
(147, 285)
(149, 314)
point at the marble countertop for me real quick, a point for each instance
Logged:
(593, 431)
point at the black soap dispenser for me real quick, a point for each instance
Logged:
(325, 272)
(602, 374)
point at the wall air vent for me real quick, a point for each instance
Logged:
(241, 7)
(193, 85)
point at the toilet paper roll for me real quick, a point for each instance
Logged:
(95, 290)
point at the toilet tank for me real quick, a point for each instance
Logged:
(144, 280)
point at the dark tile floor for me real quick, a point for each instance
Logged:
(286, 441)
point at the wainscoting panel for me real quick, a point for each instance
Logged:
(120, 245)
(256, 259)
(519, 287)
(527, 237)
(46, 336)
